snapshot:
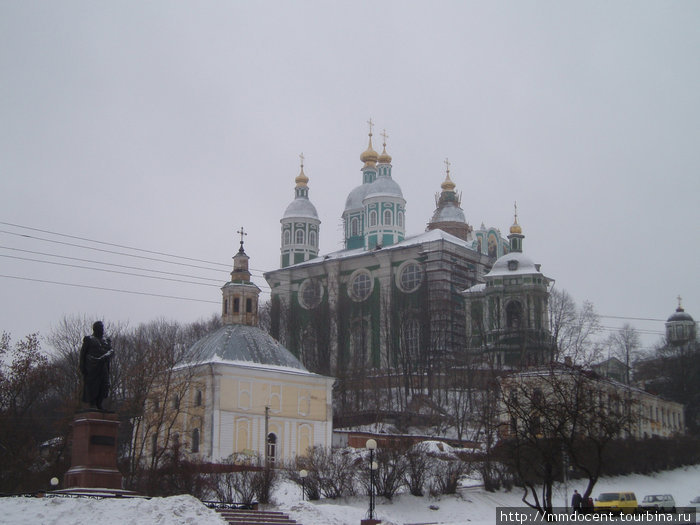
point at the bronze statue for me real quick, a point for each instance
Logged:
(95, 355)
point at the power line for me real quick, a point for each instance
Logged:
(107, 264)
(631, 318)
(109, 243)
(107, 270)
(108, 289)
(114, 245)
(108, 251)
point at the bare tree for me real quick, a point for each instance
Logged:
(557, 413)
(159, 373)
(624, 344)
(573, 328)
(25, 385)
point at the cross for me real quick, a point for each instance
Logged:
(515, 205)
(370, 125)
(679, 301)
(301, 156)
(385, 136)
(447, 165)
(242, 233)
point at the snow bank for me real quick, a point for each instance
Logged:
(176, 510)
(471, 506)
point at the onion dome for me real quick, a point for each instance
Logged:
(515, 228)
(384, 157)
(448, 185)
(301, 207)
(369, 156)
(301, 179)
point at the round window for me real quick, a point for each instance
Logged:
(310, 293)
(410, 277)
(360, 285)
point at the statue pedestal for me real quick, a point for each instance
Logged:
(94, 457)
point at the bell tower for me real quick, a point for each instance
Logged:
(240, 295)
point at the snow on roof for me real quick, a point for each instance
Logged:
(249, 345)
(429, 236)
(300, 207)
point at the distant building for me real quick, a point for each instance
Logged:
(536, 399)
(612, 368)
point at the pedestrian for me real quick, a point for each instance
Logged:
(576, 501)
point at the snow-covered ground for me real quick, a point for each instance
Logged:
(471, 506)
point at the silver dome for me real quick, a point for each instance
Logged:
(384, 187)
(300, 207)
(237, 342)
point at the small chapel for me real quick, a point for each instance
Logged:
(243, 393)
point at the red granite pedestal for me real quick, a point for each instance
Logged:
(94, 459)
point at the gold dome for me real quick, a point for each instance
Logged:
(369, 156)
(301, 179)
(516, 227)
(448, 185)
(384, 157)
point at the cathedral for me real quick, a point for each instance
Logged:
(389, 300)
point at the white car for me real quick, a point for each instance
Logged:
(659, 503)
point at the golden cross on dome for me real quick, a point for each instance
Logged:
(384, 136)
(301, 157)
(370, 125)
(447, 165)
(679, 301)
(515, 206)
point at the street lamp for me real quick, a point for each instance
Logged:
(54, 483)
(371, 446)
(303, 473)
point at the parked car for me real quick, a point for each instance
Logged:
(617, 502)
(659, 503)
(695, 502)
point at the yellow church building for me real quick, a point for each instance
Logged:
(242, 392)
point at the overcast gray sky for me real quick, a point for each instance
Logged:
(166, 126)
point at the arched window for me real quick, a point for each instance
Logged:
(373, 218)
(312, 239)
(359, 343)
(514, 315)
(399, 219)
(387, 216)
(271, 447)
(198, 398)
(411, 339)
(354, 227)
(300, 237)
(287, 237)
(195, 440)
